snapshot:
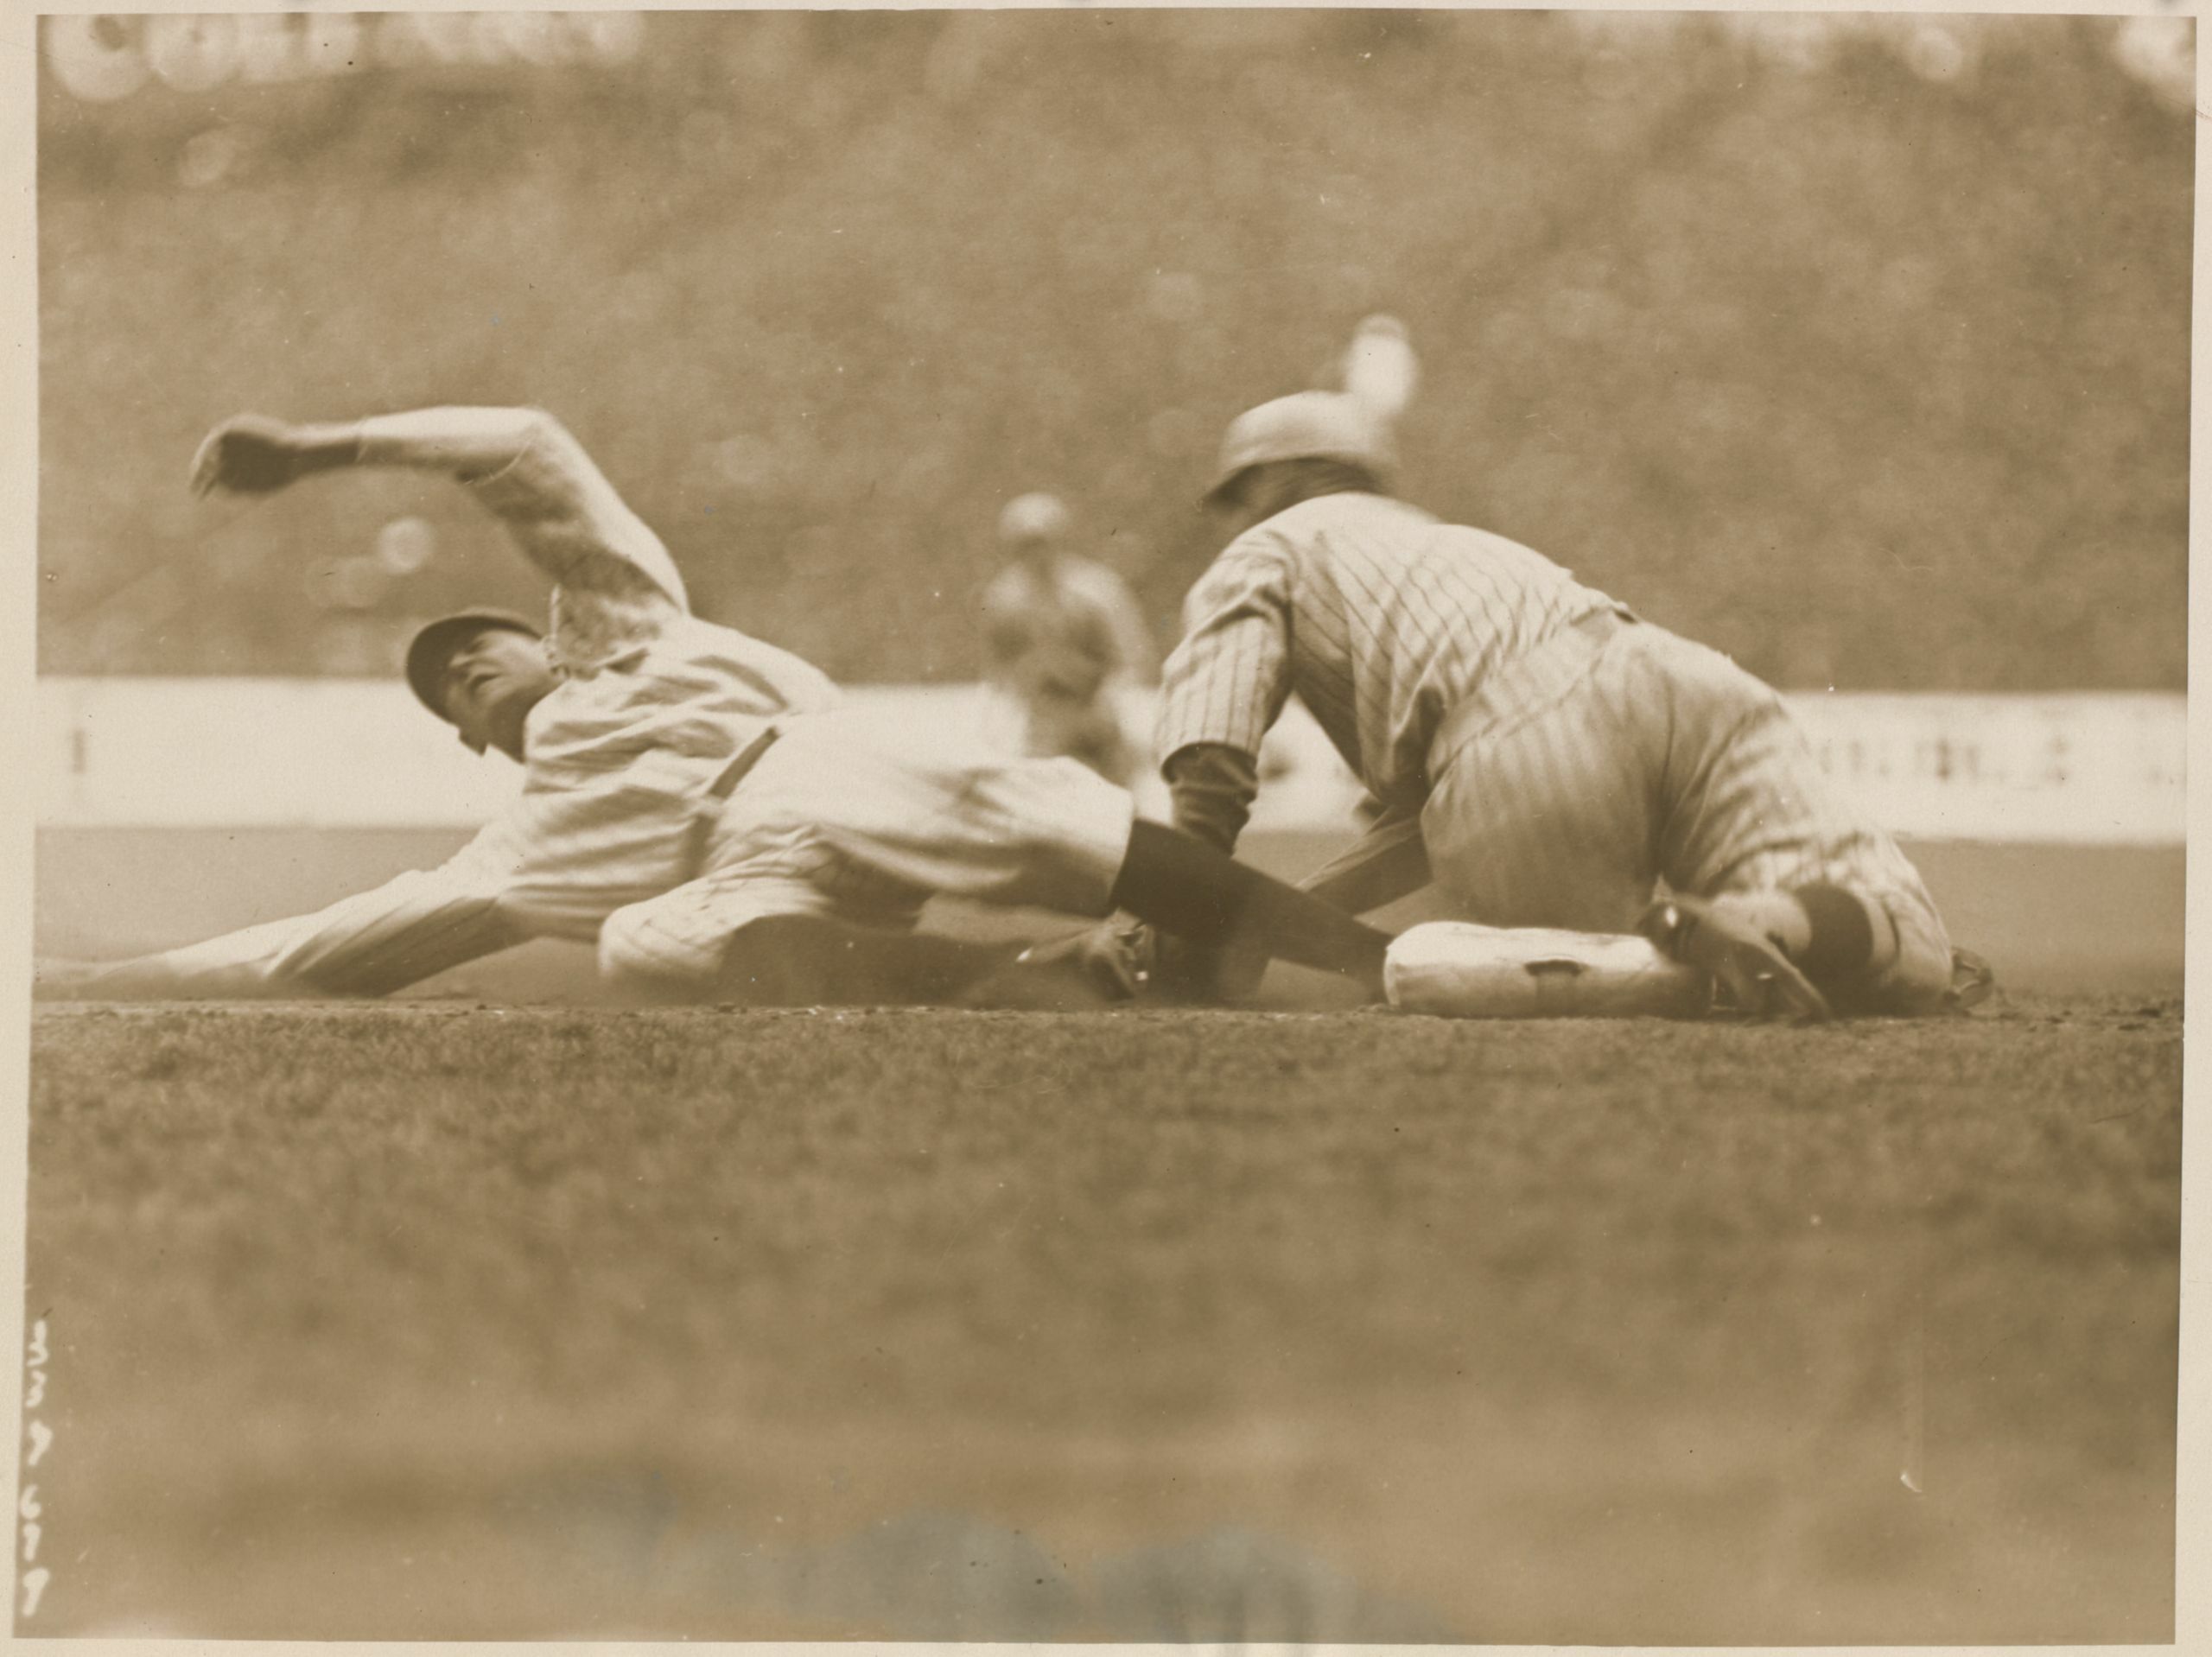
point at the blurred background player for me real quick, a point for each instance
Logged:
(1064, 643)
(1536, 749)
(693, 798)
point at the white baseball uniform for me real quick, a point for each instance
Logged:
(861, 817)
(622, 833)
(1062, 642)
(1561, 757)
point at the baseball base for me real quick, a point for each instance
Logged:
(1455, 969)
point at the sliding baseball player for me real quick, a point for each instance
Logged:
(695, 801)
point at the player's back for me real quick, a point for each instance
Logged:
(1397, 617)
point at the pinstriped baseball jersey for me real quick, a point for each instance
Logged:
(1560, 772)
(652, 705)
(1380, 617)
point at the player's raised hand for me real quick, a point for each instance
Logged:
(248, 455)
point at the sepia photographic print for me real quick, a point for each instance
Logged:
(1252, 826)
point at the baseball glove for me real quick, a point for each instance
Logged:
(1127, 960)
(1113, 960)
(1750, 971)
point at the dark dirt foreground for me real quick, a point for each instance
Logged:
(444, 1321)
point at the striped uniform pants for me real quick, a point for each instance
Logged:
(1616, 756)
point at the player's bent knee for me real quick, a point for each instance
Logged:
(639, 960)
(783, 961)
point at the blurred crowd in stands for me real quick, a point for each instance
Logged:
(1857, 346)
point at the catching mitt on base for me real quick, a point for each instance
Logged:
(1749, 969)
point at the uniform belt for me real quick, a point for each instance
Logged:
(731, 775)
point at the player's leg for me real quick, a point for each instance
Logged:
(814, 960)
(1868, 940)
(775, 919)
(1754, 826)
(728, 938)
(1540, 809)
(1600, 766)
(946, 815)
(1539, 825)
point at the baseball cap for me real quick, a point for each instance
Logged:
(433, 647)
(1034, 518)
(1306, 425)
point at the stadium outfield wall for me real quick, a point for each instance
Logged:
(2100, 769)
(2051, 829)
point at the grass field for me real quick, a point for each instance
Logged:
(441, 1320)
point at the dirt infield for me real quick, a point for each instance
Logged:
(439, 1320)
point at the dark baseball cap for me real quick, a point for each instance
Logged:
(1306, 425)
(433, 647)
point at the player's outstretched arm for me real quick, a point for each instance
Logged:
(523, 463)
(1224, 686)
(1389, 861)
(252, 454)
(141, 978)
(371, 944)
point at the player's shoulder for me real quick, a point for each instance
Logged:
(694, 637)
(1349, 511)
(1466, 540)
(1328, 529)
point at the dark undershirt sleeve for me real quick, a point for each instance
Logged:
(1213, 786)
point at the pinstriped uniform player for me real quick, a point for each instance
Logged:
(695, 800)
(1541, 753)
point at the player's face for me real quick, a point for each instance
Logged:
(492, 683)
